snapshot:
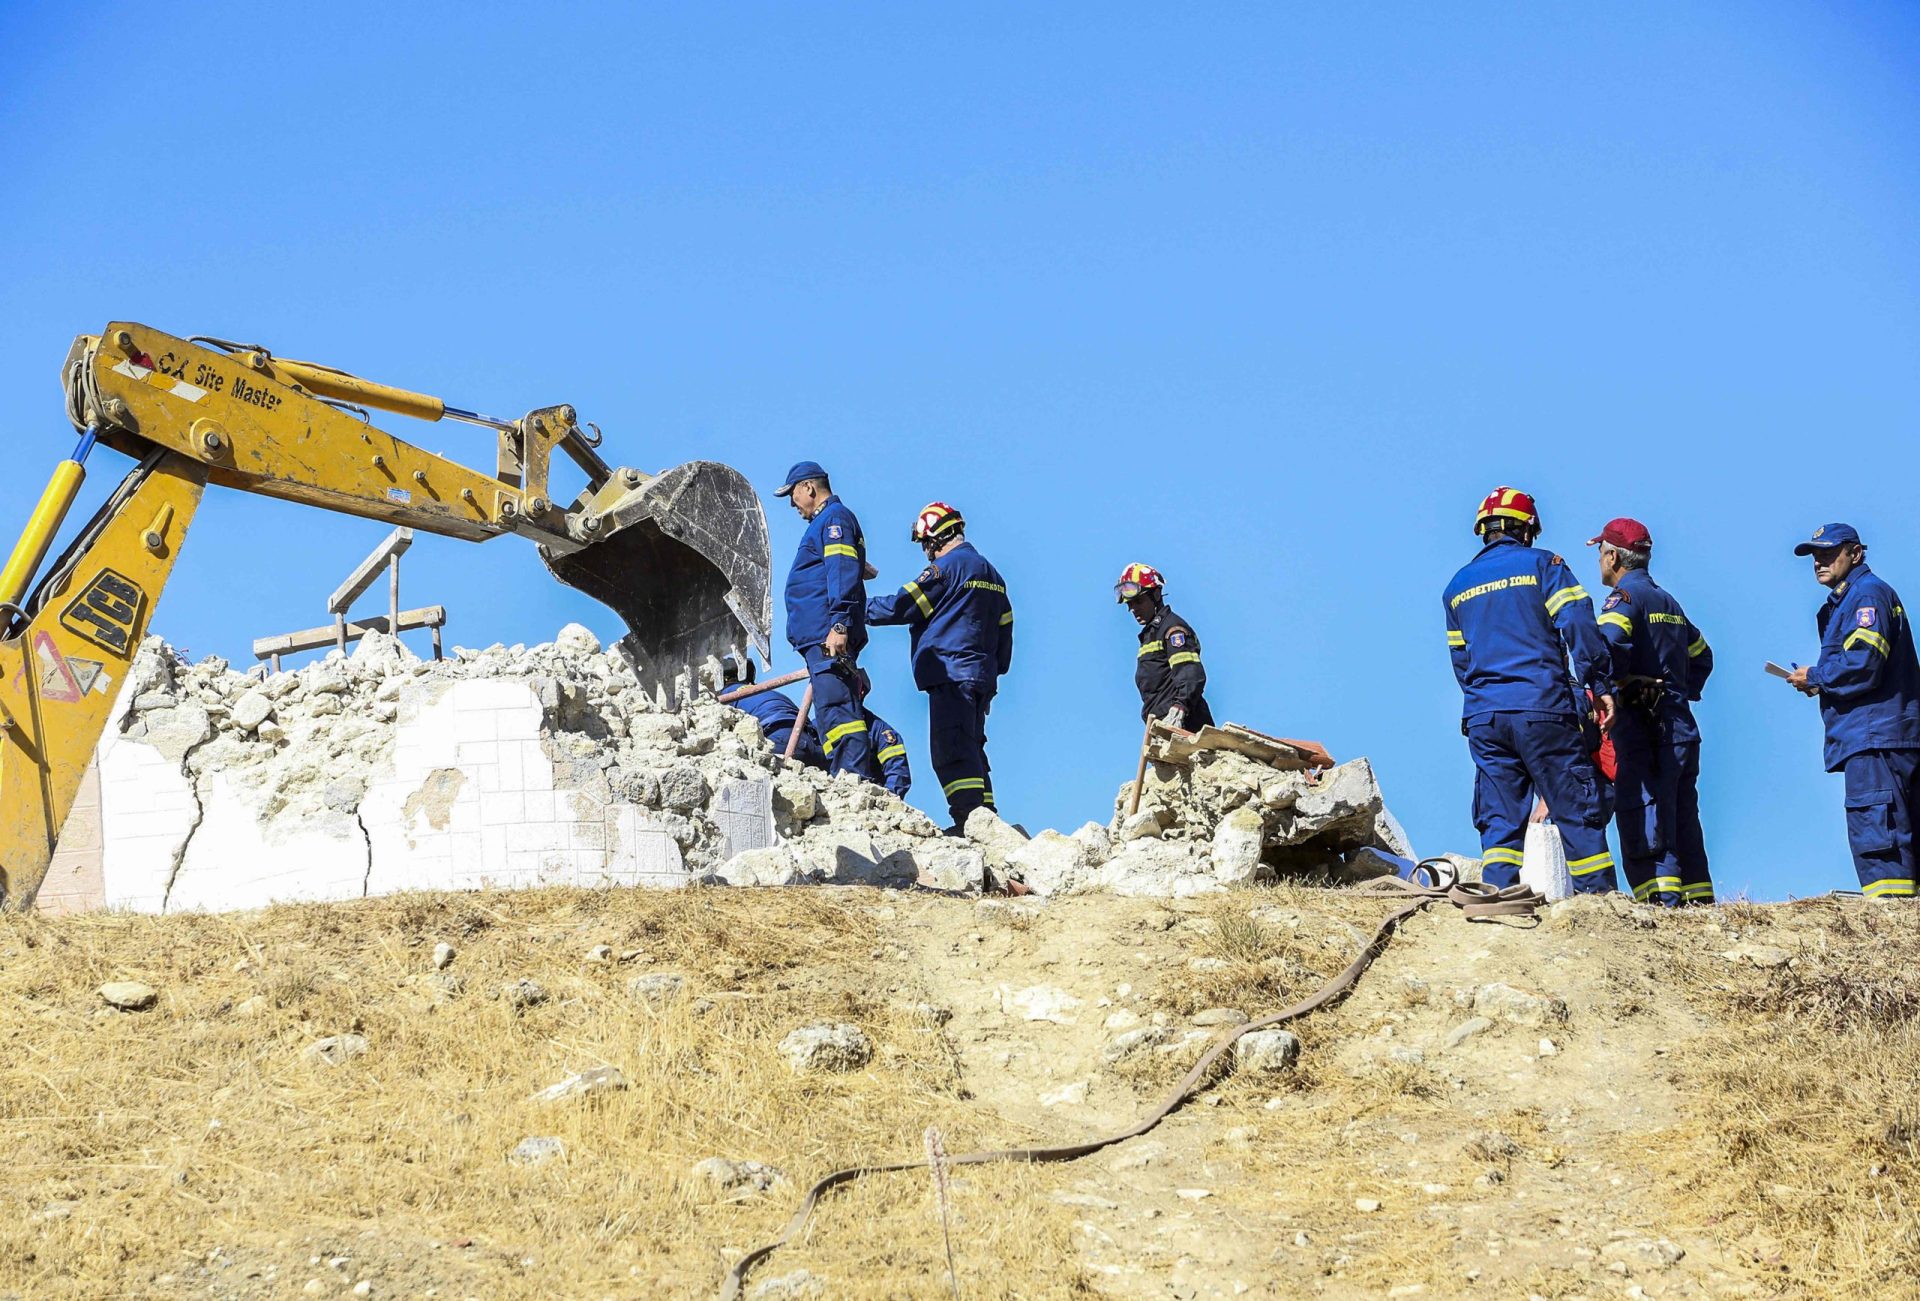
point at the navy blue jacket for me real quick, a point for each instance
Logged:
(1652, 637)
(961, 619)
(1168, 672)
(1510, 612)
(890, 752)
(1869, 681)
(827, 584)
(777, 715)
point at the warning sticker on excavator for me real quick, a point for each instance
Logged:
(106, 612)
(56, 680)
(161, 380)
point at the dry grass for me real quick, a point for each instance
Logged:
(193, 1148)
(1803, 1147)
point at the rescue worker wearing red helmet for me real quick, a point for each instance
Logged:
(962, 642)
(1661, 662)
(1167, 669)
(1513, 616)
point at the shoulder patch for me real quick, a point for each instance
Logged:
(836, 530)
(1558, 561)
(1612, 601)
(1178, 637)
(928, 575)
(1866, 616)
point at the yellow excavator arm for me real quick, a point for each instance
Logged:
(681, 556)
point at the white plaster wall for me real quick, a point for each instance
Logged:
(147, 807)
(466, 801)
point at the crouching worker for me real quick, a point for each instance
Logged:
(777, 715)
(888, 766)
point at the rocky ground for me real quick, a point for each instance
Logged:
(617, 1092)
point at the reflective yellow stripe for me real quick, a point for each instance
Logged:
(1891, 886)
(1697, 892)
(1618, 620)
(1149, 648)
(988, 797)
(919, 598)
(1184, 657)
(1588, 866)
(1498, 855)
(1698, 648)
(1658, 885)
(1870, 637)
(893, 752)
(1006, 618)
(844, 730)
(1456, 638)
(1559, 600)
(964, 784)
(842, 549)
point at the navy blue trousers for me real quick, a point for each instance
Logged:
(957, 740)
(1657, 809)
(1515, 754)
(1883, 791)
(838, 721)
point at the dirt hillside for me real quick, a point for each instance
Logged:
(323, 1100)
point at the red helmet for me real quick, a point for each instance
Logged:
(936, 520)
(1506, 503)
(1135, 579)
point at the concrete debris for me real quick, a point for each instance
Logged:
(523, 993)
(718, 1177)
(828, 1046)
(376, 772)
(657, 988)
(536, 1151)
(443, 956)
(129, 995)
(336, 1049)
(1265, 1050)
(1505, 1003)
(583, 1084)
(1130, 1043)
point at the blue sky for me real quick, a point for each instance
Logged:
(1267, 296)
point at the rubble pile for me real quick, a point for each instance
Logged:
(376, 771)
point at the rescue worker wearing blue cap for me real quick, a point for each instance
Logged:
(826, 611)
(1513, 615)
(888, 766)
(962, 642)
(1661, 663)
(1868, 684)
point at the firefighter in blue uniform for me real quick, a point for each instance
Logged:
(888, 766)
(1166, 670)
(826, 612)
(1661, 662)
(776, 713)
(1509, 613)
(962, 642)
(1868, 684)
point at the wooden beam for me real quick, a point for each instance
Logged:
(395, 544)
(428, 616)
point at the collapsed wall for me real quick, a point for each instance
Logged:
(377, 772)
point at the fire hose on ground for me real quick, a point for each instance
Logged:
(1478, 901)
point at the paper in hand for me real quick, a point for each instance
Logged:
(1777, 671)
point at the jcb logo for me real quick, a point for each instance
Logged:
(106, 612)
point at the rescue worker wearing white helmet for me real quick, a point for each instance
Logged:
(962, 641)
(1167, 670)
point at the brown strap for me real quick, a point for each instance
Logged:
(1478, 901)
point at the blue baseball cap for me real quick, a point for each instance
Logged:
(799, 473)
(1825, 537)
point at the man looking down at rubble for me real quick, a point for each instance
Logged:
(1513, 614)
(826, 611)
(1868, 685)
(1661, 662)
(1167, 670)
(962, 641)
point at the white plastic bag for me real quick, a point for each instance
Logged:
(1543, 862)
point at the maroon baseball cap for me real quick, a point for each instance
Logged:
(1627, 534)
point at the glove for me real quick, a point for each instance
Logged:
(1177, 717)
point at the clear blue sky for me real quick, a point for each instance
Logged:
(1267, 296)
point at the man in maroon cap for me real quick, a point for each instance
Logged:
(1660, 664)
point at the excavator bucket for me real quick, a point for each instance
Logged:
(682, 558)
